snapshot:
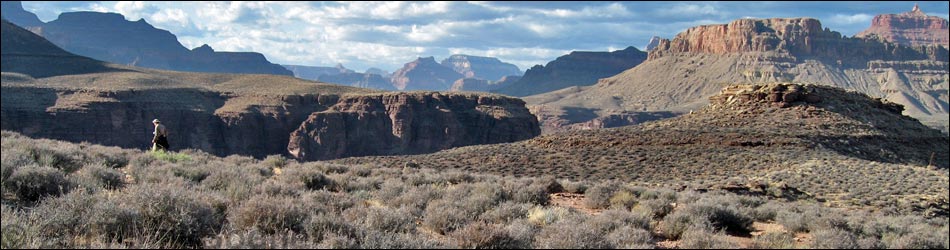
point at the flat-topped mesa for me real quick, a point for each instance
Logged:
(799, 37)
(909, 28)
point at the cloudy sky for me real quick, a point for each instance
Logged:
(388, 34)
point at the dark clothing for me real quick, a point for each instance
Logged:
(161, 143)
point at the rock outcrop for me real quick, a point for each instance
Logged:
(909, 28)
(410, 123)
(110, 37)
(360, 80)
(471, 84)
(579, 68)
(485, 68)
(315, 72)
(654, 41)
(681, 73)
(424, 74)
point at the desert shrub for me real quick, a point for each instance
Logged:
(657, 208)
(278, 188)
(306, 177)
(110, 157)
(442, 216)
(65, 216)
(506, 212)
(572, 233)
(275, 161)
(576, 187)
(68, 159)
(921, 237)
(612, 219)
(31, 183)
(623, 200)
(99, 176)
(371, 239)
(719, 216)
(234, 182)
(703, 236)
(351, 183)
(630, 237)
(16, 232)
(774, 240)
(111, 219)
(253, 239)
(174, 211)
(193, 173)
(270, 214)
(335, 241)
(801, 218)
(599, 195)
(522, 233)
(536, 193)
(675, 224)
(330, 223)
(417, 198)
(834, 238)
(768, 211)
(381, 218)
(543, 216)
(482, 235)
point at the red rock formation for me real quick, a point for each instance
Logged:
(410, 123)
(909, 28)
(801, 37)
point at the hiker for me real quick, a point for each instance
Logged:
(160, 141)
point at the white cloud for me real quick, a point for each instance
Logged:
(860, 18)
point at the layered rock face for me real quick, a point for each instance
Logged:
(424, 74)
(909, 28)
(109, 37)
(410, 123)
(578, 68)
(360, 80)
(681, 73)
(486, 68)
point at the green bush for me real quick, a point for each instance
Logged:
(31, 183)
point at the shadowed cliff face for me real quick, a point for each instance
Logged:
(410, 123)
(312, 126)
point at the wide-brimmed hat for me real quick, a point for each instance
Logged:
(156, 121)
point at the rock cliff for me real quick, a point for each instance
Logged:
(681, 73)
(485, 68)
(424, 74)
(410, 123)
(909, 28)
(579, 68)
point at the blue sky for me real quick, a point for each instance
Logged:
(388, 34)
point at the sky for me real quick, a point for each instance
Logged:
(387, 35)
